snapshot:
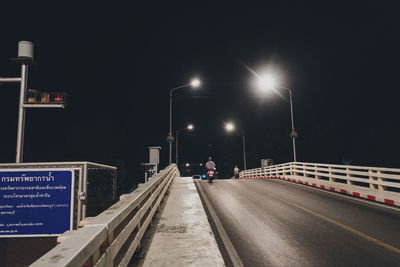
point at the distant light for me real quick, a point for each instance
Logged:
(195, 83)
(187, 164)
(190, 127)
(201, 164)
(229, 127)
(266, 82)
(204, 176)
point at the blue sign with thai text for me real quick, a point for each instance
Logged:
(35, 202)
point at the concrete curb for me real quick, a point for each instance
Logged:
(230, 249)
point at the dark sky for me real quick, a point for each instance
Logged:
(118, 62)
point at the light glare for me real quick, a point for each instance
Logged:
(266, 82)
(229, 127)
(190, 127)
(195, 83)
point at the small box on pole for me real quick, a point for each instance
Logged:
(25, 50)
(154, 161)
(154, 157)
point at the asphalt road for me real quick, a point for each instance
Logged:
(278, 223)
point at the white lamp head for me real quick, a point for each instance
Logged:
(229, 127)
(195, 83)
(266, 82)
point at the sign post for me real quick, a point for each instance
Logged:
(25, 58)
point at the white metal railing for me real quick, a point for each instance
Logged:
(111, 238)
(374, 183)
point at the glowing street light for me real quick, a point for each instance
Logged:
(230, 127)
(194, 84)
(187, 164)
(190, 127)
(266, 82)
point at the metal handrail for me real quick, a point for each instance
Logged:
(111, 238)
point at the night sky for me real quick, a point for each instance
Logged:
(119, 61)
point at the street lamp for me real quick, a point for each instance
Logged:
(267, 82)
(230, 127)
(190, 127)
(194, 83)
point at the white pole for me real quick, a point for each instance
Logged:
(170, 126)
(21, 114)
(244, 151)
(176, 150)
(170, 120)
(293, 137)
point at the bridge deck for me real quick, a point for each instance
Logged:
(183, 236)
(278, 223)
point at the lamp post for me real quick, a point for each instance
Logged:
(230, 127)
(293, 133)
(190, 127)
(194, 83)
(267, 82)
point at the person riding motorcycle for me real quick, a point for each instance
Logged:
(236, 171)
(210, 165)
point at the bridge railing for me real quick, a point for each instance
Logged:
(274, 170)
(374, 183)
(112, 237)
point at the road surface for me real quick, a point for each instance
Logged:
(278, 223)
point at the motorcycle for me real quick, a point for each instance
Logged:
(210, 175)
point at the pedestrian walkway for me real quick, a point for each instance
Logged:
(183, 236)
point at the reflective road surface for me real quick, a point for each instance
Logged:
(279, 223)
